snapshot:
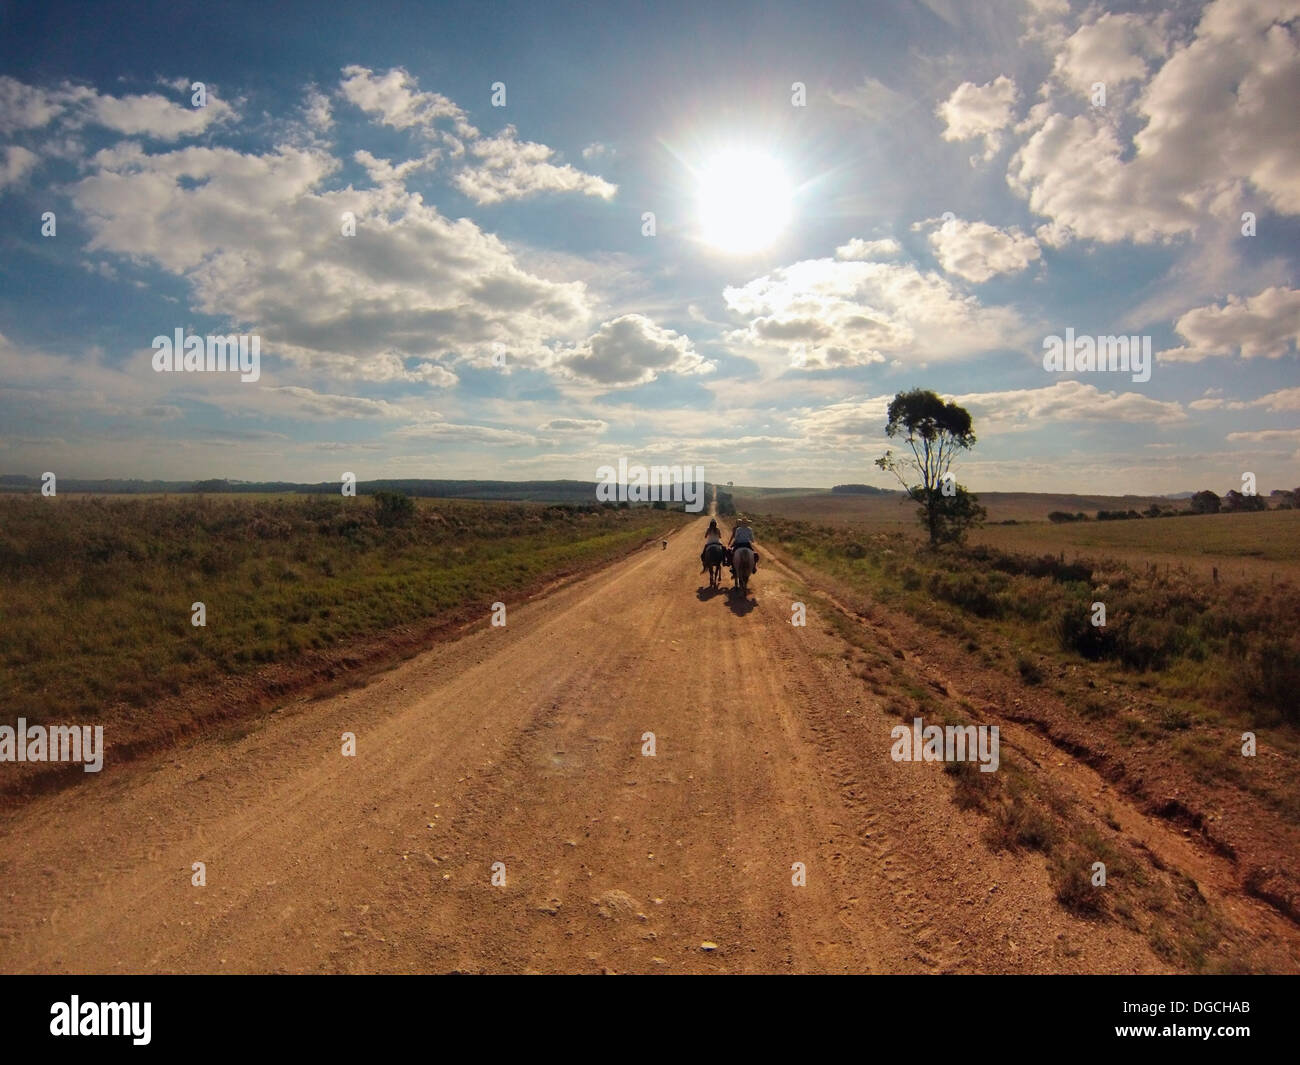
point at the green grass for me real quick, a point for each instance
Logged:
(1208, 647)
(1010, 604)
(98, 591)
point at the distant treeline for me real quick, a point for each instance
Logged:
(514, 491)
(860, 490)
(1205, 502)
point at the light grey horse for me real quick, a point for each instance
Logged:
(742, 565)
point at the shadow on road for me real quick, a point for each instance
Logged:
(704, 593)
(739, 604)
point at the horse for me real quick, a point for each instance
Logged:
(714, 556)
(742, 565)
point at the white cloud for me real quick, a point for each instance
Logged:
(314, 404)
(850, 422)
(1214, 136)
(1264, 436)
(24, 107)
(434, 428)
(15, 164)
(632, 350)
(978, 251)
(1266, 325)
(857, 248)
(1284, 399)
(317, 111)
(979, 111)
(395, 98)
(260, 244)
(1068, 401)
(511, 169)
(156, 116)
(856, 313)
(504, 167)
(1114, 49)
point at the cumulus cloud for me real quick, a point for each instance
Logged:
(15, 164)
(28, 107)
(25, 106)
(1214, 127)
(259, 241)
(826, 313)
(156, 116)
(979, 111)
(978, 251)
(857, 248)
(852, 421)
(1114, 49)
(632, 350)
(494, 168)
(395, 99)
(1068, 401)
(510, 169)
(1266, 325)
(317, 111)
(1264, 436)
(1284, 399)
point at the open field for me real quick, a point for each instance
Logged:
(99, 594)
(894, 509)
(524, 745)
(1262, 545)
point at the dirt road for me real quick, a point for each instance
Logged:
(523, 745)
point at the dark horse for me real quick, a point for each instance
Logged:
(714, 556)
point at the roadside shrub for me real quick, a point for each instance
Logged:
(393, 508)
(1077, 633)
(1029, 671)
(968, 591)
(1268, 676)
(1146, 643)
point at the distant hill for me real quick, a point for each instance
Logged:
(541, 491)
(513, 491)
(861, 490)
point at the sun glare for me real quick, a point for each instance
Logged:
(744, 201)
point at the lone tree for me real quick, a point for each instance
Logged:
(935, 432)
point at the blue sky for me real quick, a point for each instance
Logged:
(947, 189)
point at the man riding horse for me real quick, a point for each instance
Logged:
(742, 536)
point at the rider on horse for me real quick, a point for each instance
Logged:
(742, 536)
(712, 535)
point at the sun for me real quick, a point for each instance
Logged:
(744, 201)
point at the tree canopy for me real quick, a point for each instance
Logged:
(934, 432)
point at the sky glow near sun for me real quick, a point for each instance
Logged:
(745, 201)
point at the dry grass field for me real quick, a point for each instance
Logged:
(1263, 546)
